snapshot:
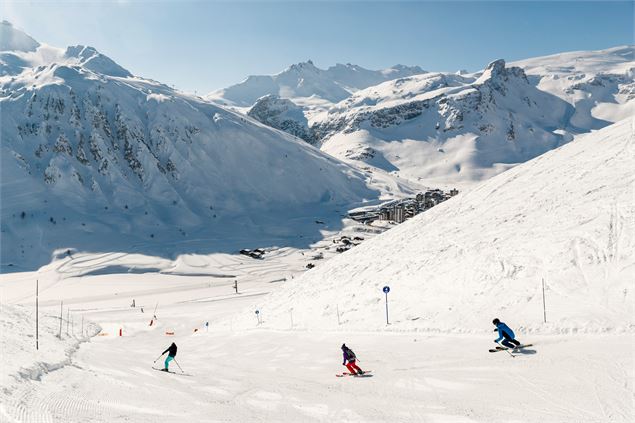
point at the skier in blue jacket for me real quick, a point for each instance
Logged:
(505, 334)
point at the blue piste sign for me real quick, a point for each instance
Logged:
(386, 291)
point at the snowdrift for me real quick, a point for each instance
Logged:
(566, 217)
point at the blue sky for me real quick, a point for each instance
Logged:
(203, 46)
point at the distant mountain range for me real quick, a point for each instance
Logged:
(447, 128)
(306, 80)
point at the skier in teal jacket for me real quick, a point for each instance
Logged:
(171, 354)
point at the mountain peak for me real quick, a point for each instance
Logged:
(497, 70)
(12, 39)
(496, 67)
(302, 66)
(93, 60)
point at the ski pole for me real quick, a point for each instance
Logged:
(177, 363)
(158, 358)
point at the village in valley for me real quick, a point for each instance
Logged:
(399, 211)
(370, 221)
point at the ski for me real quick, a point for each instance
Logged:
(174, 373)
(497, 349)
(365, 374)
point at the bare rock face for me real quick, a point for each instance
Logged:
(282, 114)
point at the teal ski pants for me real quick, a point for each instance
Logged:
(167, 360)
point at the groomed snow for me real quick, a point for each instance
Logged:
(256, 374)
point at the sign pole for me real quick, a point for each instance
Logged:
(386, 291)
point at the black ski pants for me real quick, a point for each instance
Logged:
(509, 342)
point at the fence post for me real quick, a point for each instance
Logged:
(61, 318)
(544, 304)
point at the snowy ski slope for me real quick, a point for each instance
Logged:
(566, 216)
(257, 374)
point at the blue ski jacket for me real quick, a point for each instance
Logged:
(503, 330)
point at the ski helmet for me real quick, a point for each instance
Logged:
(496, 321)
(343, 346)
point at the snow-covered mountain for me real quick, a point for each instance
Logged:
(305, 80)
(465, 128)
(97, 159)
(446, 128)
(567, 217)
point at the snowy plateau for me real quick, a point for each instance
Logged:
(147, 216)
